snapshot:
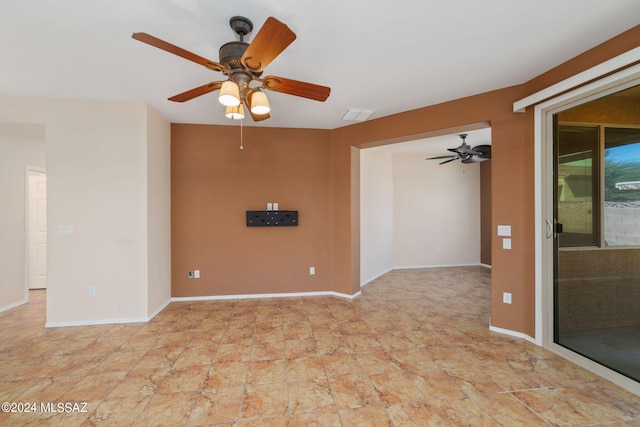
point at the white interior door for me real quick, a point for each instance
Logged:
(37, 230)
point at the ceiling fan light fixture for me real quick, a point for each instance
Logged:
(235, 113)
(260, 103)
(229, 94)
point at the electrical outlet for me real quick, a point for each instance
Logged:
(92, 291)
(312, 271)
(506, 297)
(196, 274)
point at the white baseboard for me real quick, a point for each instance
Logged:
(108, 321)
(96, 322)
(14, 305)
(513, 334)
(159, 309)
(371, 279)
(410, 267)
(282, 295)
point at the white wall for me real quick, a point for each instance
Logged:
(376, 213)
(97, 182)
(436, 212)
(416, 213)
(158, 211)
(21, 145)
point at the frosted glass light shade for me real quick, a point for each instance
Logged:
(259, 103)
(236, 112)
(229, 94)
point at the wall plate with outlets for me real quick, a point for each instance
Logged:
(506, 297)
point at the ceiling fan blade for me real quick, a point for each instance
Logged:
(440, 157)
(447, 161)
(297, 88)
(255, 117)
(271, 40)
(193, 93)
(171, 48)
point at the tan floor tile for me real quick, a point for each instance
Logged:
(378, 363)
(548, 405)
(117, 411)
(298, 331)
(341, 364)
(333, 345)
(364, 343)
(163, 357)
(506, 409)
(510, 377)
(395, 388)
(197, 356)
(217, 405)
(267, 350)
(233, 353)
(167, 409)
(140, 382)
(472, 380)
(267, 371)
(48, 389)
(11, 389)
(310, 396)
(414, 414)
(463, 412)
(305, 369)
(420, 355)
(435, 384)
(226, 374)
(354, 391)
(368, 416)
(300, 348)
(324, 419)
(180, 379)
(265, 400)
(94, 386)
(121, 361)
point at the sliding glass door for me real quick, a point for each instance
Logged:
(597, 232)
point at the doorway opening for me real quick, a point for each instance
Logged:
(36, 228)
(420, 212)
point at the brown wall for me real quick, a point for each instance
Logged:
(214, 183)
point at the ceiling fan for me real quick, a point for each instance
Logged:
(243, 64)
(465, 153)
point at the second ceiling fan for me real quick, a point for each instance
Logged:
(465, 153)
(243, 64)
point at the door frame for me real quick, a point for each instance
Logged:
(544, 181)
(27, 169)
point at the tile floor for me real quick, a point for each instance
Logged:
(413, 350)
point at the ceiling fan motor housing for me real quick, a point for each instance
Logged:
(230, 54)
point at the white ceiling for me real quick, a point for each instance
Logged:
(390, 56)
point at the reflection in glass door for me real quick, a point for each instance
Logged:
(597, 257)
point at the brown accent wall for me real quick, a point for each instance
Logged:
(213, 184)
(316, 172)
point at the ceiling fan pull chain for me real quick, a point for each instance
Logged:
(241, 147)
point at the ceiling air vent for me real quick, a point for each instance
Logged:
(357, 114)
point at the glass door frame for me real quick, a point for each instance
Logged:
(545, 215)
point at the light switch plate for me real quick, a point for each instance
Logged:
(504, 230)
(65, 230)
